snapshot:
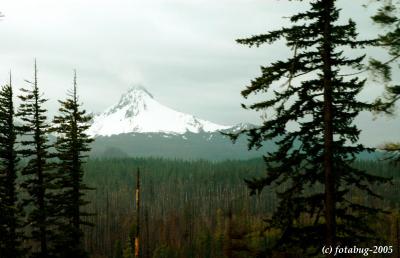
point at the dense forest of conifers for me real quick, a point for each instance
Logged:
(198, 209)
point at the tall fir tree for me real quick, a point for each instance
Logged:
(38, 173)
(311, 109)
(11, 214)
(72, 146)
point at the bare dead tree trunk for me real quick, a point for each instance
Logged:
(137, 197)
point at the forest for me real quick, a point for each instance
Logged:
(200, 208)
(309, 196)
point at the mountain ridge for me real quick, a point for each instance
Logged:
(138, 112)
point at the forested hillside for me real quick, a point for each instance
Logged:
(211, 146)
(195, 208)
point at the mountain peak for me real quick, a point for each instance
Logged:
(134, 100)
(137, 111)
(138, 90)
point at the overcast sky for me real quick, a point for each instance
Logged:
(182, 51)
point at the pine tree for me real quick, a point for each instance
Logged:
(312, 107)
(38, 173)
(11, 211)
(72, 146)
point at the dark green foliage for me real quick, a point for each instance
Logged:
(298, 124)
(118, 251)
(388, 19)
(38, 177)
(164, 251)
(72, 145)
(10, 210)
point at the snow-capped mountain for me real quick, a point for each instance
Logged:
(138, 112)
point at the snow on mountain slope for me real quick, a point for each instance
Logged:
(137, 111)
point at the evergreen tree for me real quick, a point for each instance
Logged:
(72, 146)
(11, 211)
(311, 121)
(38, 173)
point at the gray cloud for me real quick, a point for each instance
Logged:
(183, 51)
